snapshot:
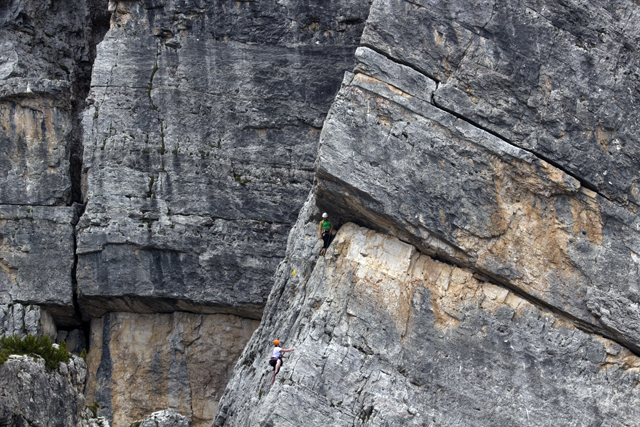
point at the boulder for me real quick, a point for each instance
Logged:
(32, 394)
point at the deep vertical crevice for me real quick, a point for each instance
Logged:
(97, 27)
(96, 30)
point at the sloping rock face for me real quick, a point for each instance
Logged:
(394, 159)
(200, 140)
(33, 395)
(384, 335)
(46, 50)
(141, 363)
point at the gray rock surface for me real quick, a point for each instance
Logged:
(36, 258)
(558, 78)
(46, 54)
(166, 418)
(200, 139)
(20, 320)
(88, 419)
(391, 159)
(33, 395)
(384, 336)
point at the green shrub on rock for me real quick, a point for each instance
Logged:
(33, 345)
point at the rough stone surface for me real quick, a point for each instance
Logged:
(74, 339)
(141, 363)
(559, 78)
(200, 139)
(20, 320)
(384, 336)
(166, 418)
(46, 53)
(88, 419)
(36, 258)
(392, 160)
(33, 395)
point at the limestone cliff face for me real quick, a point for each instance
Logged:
(46, 53)
(200, 139)
(487, 151)
(497, 144)
(497, 169)
(385, 335)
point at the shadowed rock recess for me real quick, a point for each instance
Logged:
(491, 152)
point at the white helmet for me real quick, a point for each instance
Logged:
(324, 215)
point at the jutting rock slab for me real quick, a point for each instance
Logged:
(392, 159)
(200, 139)
(36, 258)
(384, 335)
(558, 78)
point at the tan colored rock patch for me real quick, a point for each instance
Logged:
(181, 361)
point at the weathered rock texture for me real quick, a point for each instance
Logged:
(36, 257)
(392, 159)
(141, 363)
(33, 395)
(166, 418)
(387, 336)
(558, 78)
(200, 140)
(500, 143)
(17, 319)
(46, 53)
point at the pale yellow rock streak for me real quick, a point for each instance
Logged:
(530, 237)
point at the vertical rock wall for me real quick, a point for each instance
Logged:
(142, 363)
(511, 208)
(200, 140)
(46, 52)
(20, 320)
(384, 335)
(498, 145)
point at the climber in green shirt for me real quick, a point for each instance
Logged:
(325, 231)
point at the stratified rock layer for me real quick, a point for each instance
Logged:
(141, 363)
(558, 78)
(33, 395)
(200, 140)
(384, 335)
(36, 258)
